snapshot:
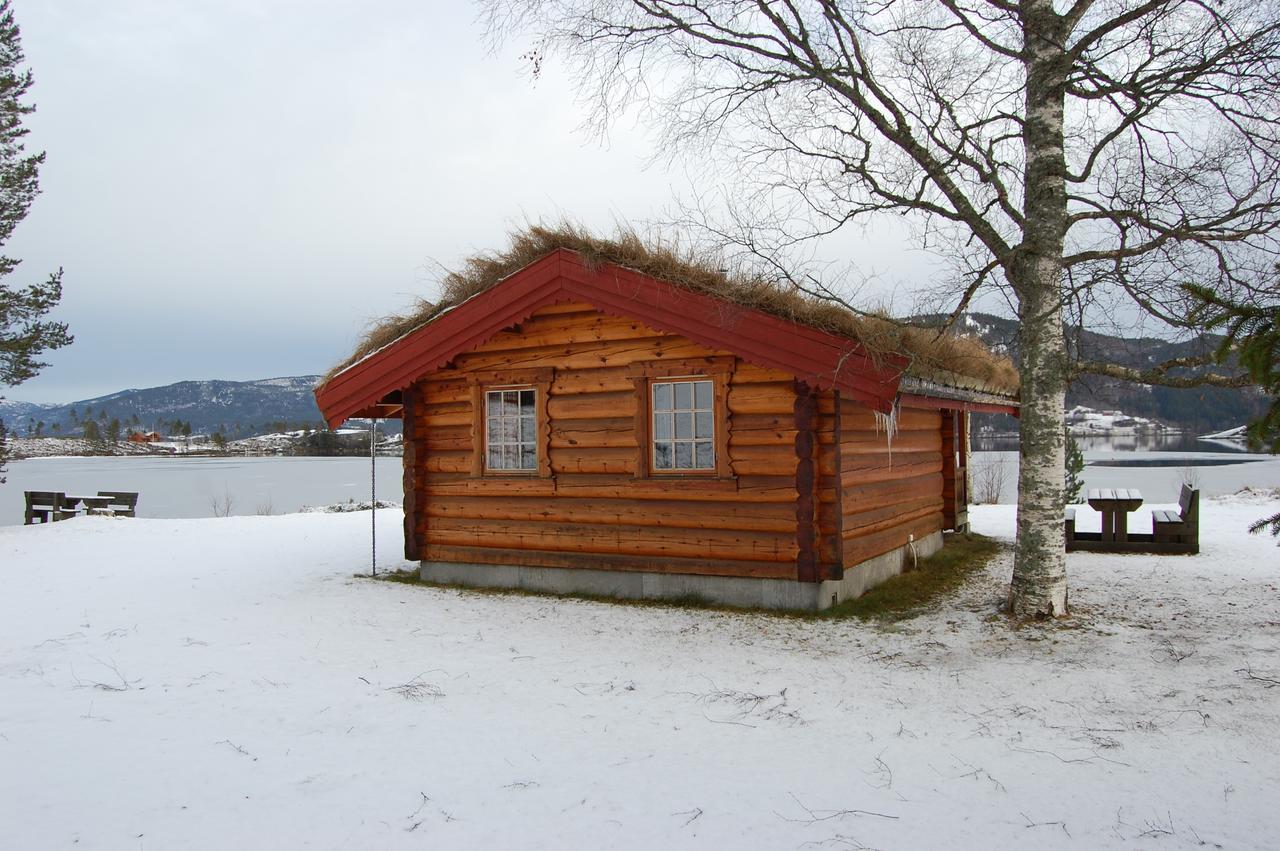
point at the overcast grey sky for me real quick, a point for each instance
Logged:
(236, 188)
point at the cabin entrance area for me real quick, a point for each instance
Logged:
(955, 470)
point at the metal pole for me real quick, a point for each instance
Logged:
(373, 496)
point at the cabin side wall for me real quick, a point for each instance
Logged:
(891, 490)
(592, 512)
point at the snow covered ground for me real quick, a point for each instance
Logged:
(228, 683)
(60, 447)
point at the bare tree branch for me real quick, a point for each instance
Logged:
(1160, 375)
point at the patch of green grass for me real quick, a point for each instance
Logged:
(907, 593)
(896, 598)
(684, 601)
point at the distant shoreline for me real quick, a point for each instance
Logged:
(31, 448)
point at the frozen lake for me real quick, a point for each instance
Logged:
(1159, 475)
(189, 487)
(173, 487)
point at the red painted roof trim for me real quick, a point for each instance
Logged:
(820, 358)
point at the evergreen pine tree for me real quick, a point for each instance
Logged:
(1074, 468)
(1252, 335)
(24, 334)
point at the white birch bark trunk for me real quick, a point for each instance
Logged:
(1039, 586)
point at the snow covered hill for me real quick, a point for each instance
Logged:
(1083, 421)
(209, 406)
(14, 412)
(1238, 434)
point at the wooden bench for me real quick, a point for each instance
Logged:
(1069, 528)
(1182, 528)
(121, 503)
(46, 507)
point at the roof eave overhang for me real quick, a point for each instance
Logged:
(921, 393)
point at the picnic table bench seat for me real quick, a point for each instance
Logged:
(45, 507)
(122, 503)
(1182, 527)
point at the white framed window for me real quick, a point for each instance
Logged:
(511, 429)
(683, 428)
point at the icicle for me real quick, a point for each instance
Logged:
(888, 423)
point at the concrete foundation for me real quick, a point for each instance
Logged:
(723, 590)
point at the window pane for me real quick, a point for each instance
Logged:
(684, 396)
(526, 401)
(526, 429)
(511, 457)
(495, 430)
(704, 455)
(662, 456)
(662, 426)
(493, 403)
(510, 430)
(662, 397)
(684, 456)
(495, 457)
(528, 457)
(703, 425)
(684, 426)
(702, 395)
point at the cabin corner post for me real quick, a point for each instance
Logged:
(806, 410)
(412, 544)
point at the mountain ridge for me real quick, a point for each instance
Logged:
(1197, 409)
(235, 408)
(246, 408)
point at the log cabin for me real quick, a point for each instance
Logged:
(590, 416)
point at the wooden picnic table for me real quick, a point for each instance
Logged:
(49, 506)
(1115, 504)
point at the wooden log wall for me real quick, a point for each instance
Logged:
(888, 492)
(593, 511)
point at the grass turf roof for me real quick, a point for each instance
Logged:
(946, 359)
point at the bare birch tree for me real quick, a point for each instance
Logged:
(1050, 148)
